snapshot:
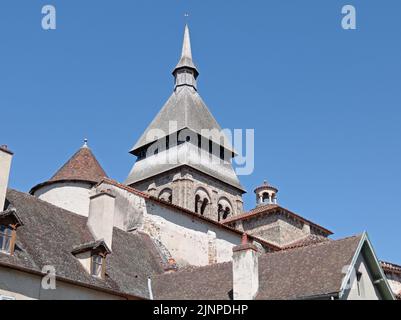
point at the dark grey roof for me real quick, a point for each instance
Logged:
(50, 234)
(11, 215)
(185, 107)
(92, 245)
(299, 273)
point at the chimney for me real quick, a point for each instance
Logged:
(245, 270)
(5, 165)
(101, 216)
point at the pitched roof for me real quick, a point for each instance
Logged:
(307, 241)
(390, 267)
(269, 209)
(50, 234)
(310, 271)
(82, 166)
(92, 245)
(185, 108)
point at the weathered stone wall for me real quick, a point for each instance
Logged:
(188, 239)
(276, 227)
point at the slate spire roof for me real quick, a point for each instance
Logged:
(184, 110)
(186, 54)
(82, 166)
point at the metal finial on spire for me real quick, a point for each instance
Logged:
(85, 143)
(183, 77)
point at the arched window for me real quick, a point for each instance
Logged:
(197, 201)
(166, 195)
(265, 197)
(202, 201)
(224, 209)
(205, 202)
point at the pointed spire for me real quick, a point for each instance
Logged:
(186, 46)
(186, 72)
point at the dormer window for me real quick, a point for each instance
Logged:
(6, 236)
(9, 222)
(92, 256)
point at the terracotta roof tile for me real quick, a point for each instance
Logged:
(270, 208)
(307, 241)
(390, 267)
(301, 273)
(82, 166)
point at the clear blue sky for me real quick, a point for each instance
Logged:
(325, 103)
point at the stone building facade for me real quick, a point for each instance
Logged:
(174, 225)
(184, 157)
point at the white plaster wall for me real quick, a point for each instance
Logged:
(72, 196)
(184, 236)
(25, 286)
(368, 290)
(5, 166)
(129, 208)
(187, 238)
(101, 217)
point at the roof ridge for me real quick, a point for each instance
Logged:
(316, 244)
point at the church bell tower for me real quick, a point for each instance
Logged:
(184, 157)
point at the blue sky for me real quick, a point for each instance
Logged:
(324, 102)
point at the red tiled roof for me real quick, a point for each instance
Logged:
(82, 166)
(390, 267)
(307, 241)
(185, 211)
(270, 208)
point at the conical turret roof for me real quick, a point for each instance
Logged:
(82, 166)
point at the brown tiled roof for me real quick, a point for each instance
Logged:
(82, 166)
(300, 273)
(390, 267)
(50, 234)
(270, 208)
(187, 212)
(307, 241)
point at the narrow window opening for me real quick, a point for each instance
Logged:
(97, 266)
(5, 239)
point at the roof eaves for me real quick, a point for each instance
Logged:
(374, 262)
(269, 209)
